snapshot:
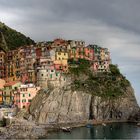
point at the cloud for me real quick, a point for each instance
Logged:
(111, 24)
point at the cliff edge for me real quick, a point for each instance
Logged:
(84, 97)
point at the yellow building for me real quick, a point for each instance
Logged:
(61, 55)
(61, 61)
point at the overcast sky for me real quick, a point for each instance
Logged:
(114, 24)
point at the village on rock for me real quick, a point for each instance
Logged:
(26, 70)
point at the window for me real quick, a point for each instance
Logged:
(29, 95)
(24, 101)
(29, 100)
(23, 95)
(41, 74)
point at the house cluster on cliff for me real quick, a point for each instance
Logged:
(47, 61)
(17, 93)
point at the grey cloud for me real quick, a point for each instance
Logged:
(110, 23)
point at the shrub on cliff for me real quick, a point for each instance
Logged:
(79, 66)
(112, 84)
(114, 69)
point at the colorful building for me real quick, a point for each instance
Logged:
(58, 43)
(8, 92)
(9, 67)
(61, 60)
(38, 52)
(89, 53)
(2, 64)
(2, 83)
(16, 63)
(80, 52)
(24, 63)
(30, 69)
(24, 95)
(101, 60)
(72, 53)
(51, 54)
(46, 71)
(74, 43)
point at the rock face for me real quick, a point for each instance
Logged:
(115, 109)
(60, 106)
(63, 105)
(135, 117)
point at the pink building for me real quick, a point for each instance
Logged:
(24, 95)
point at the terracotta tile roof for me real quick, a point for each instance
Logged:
(10, 83)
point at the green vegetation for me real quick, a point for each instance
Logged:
(114, 69)
(13, 38)
(112, 84)
(78, 67)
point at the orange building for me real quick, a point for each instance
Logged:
(2, 83)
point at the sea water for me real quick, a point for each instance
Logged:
(110, 131)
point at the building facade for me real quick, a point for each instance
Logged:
(8, 92)
(24, 95)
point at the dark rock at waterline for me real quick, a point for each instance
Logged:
(135, 117)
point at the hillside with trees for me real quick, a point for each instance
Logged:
(11, 39)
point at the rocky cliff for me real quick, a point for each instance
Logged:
(85, 101)
(64, 106)
(67, 105)
(135, 117)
